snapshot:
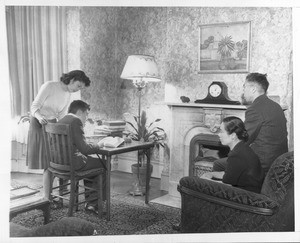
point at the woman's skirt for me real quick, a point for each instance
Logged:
(36, 152)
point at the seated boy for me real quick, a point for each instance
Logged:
(76, 118)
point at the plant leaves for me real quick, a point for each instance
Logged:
(159, 128)
(143, 132)
(157, 120)
(143, 119)
(132, 127)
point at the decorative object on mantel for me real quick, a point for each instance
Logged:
(224, 47)
(218, 94)
(141, 69)
(185, 99)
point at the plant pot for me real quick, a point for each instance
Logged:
(139, 179)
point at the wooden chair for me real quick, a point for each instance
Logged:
(60, 152)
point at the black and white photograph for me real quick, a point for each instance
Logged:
(150, 121)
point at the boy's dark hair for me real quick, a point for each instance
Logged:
(260, 79)
(78, 105)
(78, 75)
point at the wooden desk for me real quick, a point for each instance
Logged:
(106, 154)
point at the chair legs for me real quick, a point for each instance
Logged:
(72, 197)
(61, 190)
(74, 193)
(77, 195)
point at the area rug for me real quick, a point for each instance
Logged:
(129, 216)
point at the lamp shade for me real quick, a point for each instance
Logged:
(141, 67)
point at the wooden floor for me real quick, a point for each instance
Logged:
(120, 182)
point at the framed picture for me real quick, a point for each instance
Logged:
(224, 48)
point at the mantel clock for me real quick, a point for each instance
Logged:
(218, 94)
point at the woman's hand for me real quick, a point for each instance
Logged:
(42, 120)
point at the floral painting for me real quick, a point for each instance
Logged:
(224, 48)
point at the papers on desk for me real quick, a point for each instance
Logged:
(94, 138)
(112, 142)
(115, 124)
(110, 128)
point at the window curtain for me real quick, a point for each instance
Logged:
(36, 49)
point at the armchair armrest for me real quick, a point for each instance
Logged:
(227, 195)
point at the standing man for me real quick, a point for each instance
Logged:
(265, 123)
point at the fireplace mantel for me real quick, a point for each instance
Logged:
(232, 107)
(218, 106)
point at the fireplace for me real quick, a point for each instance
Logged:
(194, 127)
(204, 150)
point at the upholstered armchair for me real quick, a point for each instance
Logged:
(209, 206)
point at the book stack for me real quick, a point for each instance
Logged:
(111, 128)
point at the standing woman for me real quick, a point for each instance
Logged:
(50, 104)
(244, 168)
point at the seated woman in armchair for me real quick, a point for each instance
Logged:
(244, 168)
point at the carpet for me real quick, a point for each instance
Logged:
(129, 216)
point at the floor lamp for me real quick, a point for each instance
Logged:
(141, 69)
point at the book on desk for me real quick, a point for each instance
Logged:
(112, 142)
(110, 128)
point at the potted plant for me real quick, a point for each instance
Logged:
(140, 130)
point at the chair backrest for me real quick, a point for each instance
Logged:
(280, 178)
(59, 146)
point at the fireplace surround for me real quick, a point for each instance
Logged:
(193, 124)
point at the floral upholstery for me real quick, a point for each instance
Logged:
(209, 206)
(279, 178)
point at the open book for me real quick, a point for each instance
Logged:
(112, 142)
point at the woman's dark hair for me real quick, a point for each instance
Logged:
(233, 124)
(78, 75)
(78, 105)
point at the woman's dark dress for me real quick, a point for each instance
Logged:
(244, 169)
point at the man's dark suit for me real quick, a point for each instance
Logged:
(265, 123)
(82, 149)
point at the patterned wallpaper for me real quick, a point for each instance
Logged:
(270, 53)
(142, 31)
(109, 34)
(97, 55)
